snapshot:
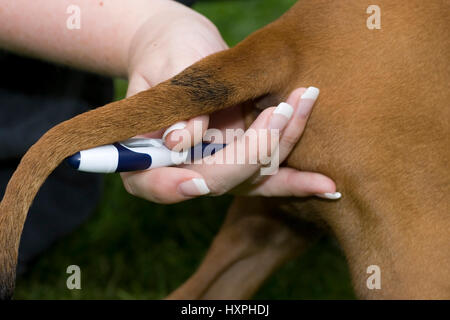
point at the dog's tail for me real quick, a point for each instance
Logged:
(251, 69)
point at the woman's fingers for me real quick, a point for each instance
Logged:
(303, 102)
(170, 185)
(243, 157)
(184, 134)
(240, 161)
(291, 122)
(165, 185)
(288, 182)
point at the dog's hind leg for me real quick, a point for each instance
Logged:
(254, 240)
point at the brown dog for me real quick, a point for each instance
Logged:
(379, 129)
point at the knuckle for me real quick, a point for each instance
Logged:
(128, 187)
(157, 199)
(290, 180)
(217, 187)
(289, 141)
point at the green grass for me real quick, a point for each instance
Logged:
(133, 249)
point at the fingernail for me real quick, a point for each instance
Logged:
(307, 101)
(329, 195)
(194, 187)
(177, 126)
(280, 116)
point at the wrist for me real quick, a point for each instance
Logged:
(170, 41)
(146, 34)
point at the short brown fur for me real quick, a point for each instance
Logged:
(379, 128)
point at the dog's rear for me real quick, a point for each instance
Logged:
(379, 129)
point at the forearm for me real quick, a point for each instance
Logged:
(38, 28)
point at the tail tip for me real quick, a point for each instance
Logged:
(7, 284)
(6, 293)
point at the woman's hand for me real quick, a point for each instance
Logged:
(246, 179)
(164, 46)
(217, 176)
(167, 43)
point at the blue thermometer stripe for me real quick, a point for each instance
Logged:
(131, 161)
(212, 148)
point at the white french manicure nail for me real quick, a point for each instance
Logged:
(306, 102)
(311, 93)
(280, 116)
(284, 109)
(177, 126)
(194, 187)
(329, 195)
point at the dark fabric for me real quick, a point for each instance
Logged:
(187, 2)
(35, 96)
